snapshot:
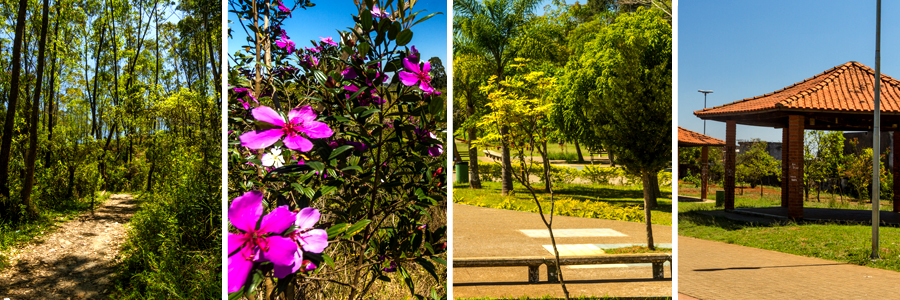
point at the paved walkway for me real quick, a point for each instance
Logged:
(715, 270)
(487, 232)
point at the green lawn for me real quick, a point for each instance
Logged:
(618, 196)
(837, 242)
(771, 196)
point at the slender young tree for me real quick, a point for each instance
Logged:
(6, 143)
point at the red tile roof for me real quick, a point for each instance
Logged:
(845, 88)
(687, 138)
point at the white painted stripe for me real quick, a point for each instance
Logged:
(593, 232)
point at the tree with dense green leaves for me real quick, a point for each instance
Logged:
(487, 28)
(118, 96)
(755, 164)
(469, 72)
(438, 74)
(625, 77)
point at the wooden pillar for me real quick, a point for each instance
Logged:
(730, 127)
(704, 171)
(795, 167)
(785, 149)
(896, 170)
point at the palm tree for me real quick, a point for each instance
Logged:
(487, 28)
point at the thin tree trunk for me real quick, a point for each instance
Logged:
(506, 178)
(35, 107)
(648, 198)
(6, 143)
(578, 151)
(474, 176)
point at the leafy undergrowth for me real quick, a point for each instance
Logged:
(837, 242)
(13, 235)
(637, 249)
(174, 245)
(624, 203)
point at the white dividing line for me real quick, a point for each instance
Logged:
(593, 232)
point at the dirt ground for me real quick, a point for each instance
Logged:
(76, 261)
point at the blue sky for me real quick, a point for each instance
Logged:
(327, 17)
(742, 49)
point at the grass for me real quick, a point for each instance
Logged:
(836, 242)
(637, 249)
(615, 195)
(771, 196)
(14, 235)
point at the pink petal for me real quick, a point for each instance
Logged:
(235, 241)
(314, 241)
(282, 271)
(316, 130)
(281, 250)
(410, 66)
(266, 114)
(277, 221)
(307, 218)
(408, 79)
(238, 270)
(245, 211)
(427, 68)
(426, 87)
(298, 143)
(304, 114)
(261, 139)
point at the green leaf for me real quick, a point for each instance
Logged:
(366, 18)
(355, 168)
(337, 229)
(356, 228)
(320, 76)
(328, 260)
(404, 37)
(394, 30)
(339, 150)
(363, 49)
(316, 165)
(439, 260)
(428, 266)
(426, 18)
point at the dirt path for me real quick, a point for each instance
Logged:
(76, 261)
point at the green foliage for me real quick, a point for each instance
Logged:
(379, 171)
(601, 175)
(571, 207)
(753, 165)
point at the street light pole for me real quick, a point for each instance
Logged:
(876, 136)
(704, 106)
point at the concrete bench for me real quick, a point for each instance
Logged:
(492, 155)
(534, 262)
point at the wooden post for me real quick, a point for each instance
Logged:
(704, 171)
(795, 166)
(730, 127)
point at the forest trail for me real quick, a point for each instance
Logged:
(76, 261)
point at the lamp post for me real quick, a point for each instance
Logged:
(876, 135)
(704, 106)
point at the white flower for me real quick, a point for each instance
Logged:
(273, 159)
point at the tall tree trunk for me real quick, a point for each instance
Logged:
(506, 178)
(49, 103)
(95, 128)
(544, 157)
(648, 199)
(6, 142)
(474, 176)
(35, 107)
(578, 151)
(654, 189)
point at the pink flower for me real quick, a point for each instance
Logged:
(284, 42)
(284, 9)
(299, 121)
(414, 75)
(309, 239)
(262, 243)
(329, 41)
(378, 13)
